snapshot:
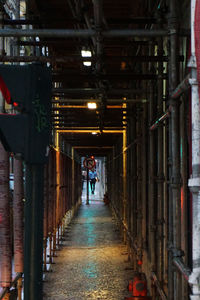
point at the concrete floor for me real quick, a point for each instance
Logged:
(92, 261)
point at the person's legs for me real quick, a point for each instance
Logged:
(92, 185)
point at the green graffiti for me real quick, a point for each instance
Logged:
(40, 114)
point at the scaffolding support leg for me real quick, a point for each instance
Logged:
(34, 196)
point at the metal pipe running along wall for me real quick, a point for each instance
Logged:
(83, 33)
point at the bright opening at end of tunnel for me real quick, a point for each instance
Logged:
(93, 191)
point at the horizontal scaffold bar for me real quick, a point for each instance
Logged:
(83, 33)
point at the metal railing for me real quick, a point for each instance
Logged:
(13, 284)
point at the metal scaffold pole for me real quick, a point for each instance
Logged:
(174, 284)
(194, 181)
(33, 262)
(87, 200)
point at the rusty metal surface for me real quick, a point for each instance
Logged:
(18, 207)
(90, 263)
(5, 228)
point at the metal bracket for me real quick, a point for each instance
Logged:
(175, 251)
(192, 63)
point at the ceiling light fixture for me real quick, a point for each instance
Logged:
(86, 53)
(91, 105)
(87, 63)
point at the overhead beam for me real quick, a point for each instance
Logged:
(94, 91)
(82, 33)
(96, 129)
(45, 21)
(70, 76)
(93, 147)
(60, 107)
(63, 100)
(56, 42)
(64, 59)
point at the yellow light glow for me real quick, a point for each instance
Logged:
(70, 106)
(91, 105)
(87, 131)
(114, 106)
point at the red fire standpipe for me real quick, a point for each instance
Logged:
(5, 232)
(138, 286)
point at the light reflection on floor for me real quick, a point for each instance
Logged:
(98, 193)
(90, 264)
(91, 270)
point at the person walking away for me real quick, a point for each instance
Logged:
(93, 179)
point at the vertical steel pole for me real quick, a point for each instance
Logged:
(54, 203)
(151, 192)
(57, 183)
(133, 174)
(34, 197)
(128, 208)
(17, 200)
(18, 212)
(139, 181)
(46, 217)
(144, 176)
(194, 181)
(50, 203)
(73, 181)
(124, 166)
(166, 204)
(5, 229)
(111, 166)
(160, 175)
(87, 200)
(175, 144)
(184, 190)
(98, 14)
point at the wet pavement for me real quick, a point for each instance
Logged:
(92, 261)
